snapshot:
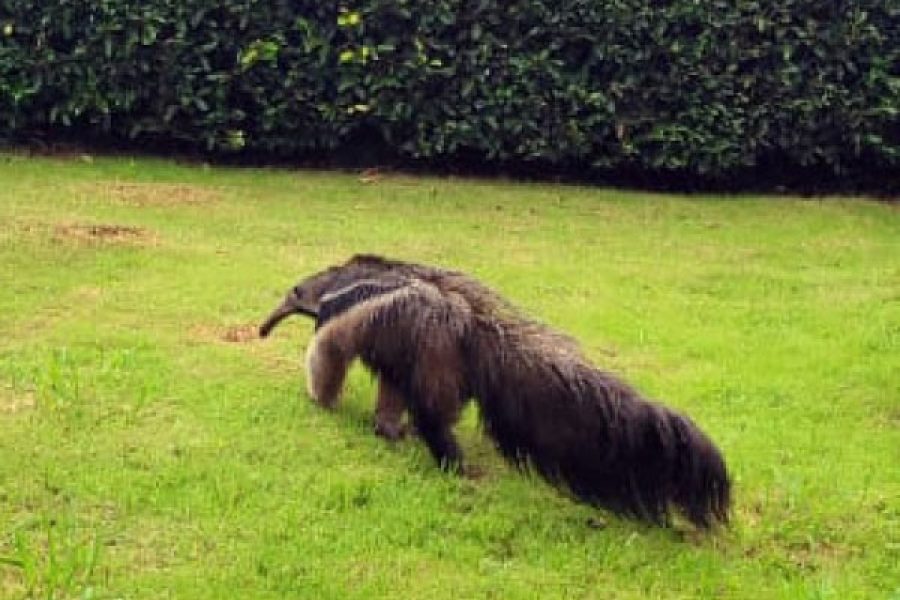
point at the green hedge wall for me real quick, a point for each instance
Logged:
(707, 87)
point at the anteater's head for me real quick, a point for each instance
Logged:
(305, 298)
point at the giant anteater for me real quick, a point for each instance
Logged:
(436, 338)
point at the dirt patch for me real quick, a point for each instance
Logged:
(11, 403)
(103, 233)
(245, 339)
(150, 194)
(370, 176)
(231, 334)
(240, 334)
(11, 580)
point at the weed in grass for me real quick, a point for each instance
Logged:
(46, 558)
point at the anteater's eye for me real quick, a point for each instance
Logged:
(298, 291)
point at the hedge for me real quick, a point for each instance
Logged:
(704, 87)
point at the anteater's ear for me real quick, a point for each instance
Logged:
(342, 300)
(295, 303)
(368, 259)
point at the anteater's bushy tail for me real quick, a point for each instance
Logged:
(548, 409)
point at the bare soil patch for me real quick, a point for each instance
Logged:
(240, 334)
(103, 233)
(13, 403)
(231, 334)
(150, 194)
(11, 585)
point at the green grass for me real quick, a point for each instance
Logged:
(151, 447)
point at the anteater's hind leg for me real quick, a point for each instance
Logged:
(438, 398)
(436, 428)
(436, 406)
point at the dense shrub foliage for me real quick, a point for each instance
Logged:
(702, 87)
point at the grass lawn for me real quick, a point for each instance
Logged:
(152, 447)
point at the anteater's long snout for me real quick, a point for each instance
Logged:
(286, 309)
(292, 305)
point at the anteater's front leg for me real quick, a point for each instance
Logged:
(389, 411)
(327, 362)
